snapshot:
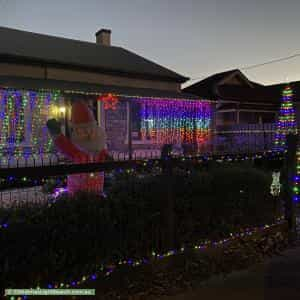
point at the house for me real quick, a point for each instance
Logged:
(239, 100)
(138, 102)
(246, 112)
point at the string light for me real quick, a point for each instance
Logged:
(275, 185)
(137, 96)
(287, 120)
(296, 187)
(23, 112)
(287, 124)
(27, 181)
(173, 121)
(107, 270)
(53, 198)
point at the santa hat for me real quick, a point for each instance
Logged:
(82, 116)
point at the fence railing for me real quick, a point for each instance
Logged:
(160, 226)
(23, 181)
(235, 139)
(245, 138)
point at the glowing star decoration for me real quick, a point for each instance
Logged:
(275, 186)
(286, 120)
(110, 101)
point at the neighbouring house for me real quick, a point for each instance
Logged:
(138, 102)
(246, 112)
(239, 100)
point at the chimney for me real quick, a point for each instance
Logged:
(103, 37)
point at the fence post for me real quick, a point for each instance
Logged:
(170, 216)
(129, 124)
(289, 171)
(168, 209)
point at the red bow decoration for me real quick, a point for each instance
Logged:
(110, 101)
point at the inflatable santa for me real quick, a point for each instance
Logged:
(86, 144)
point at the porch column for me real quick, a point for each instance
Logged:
(129, 126)
(238, 116)
(66, 102)
(100, 114)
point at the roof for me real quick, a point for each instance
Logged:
(23, 46)
(79, 87)
(209, 86)
(214, 87)
(276, 89)
(245, 94)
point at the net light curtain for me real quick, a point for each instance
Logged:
(23, 117)
(175, 121)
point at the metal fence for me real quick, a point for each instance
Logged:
(235, 139)
(155, 231)
(244, 138)
(22, 179)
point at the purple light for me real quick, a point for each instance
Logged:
(174, 121)
(171, 252)
(59, 191)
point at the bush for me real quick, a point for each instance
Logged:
(224, 199)
(71, 236)
(208, 203)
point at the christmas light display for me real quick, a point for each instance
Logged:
(275, 185)
(23, 114)
(296, 187)
(78, 92)
(286, 120)
(174, 121)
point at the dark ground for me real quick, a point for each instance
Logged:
(277, 278)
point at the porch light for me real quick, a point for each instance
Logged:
(62, 110)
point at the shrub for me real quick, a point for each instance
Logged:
(71, 236)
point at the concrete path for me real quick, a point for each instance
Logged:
(277, 278)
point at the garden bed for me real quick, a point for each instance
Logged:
(178, 273)
(78, 239)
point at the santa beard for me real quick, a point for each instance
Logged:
(91, 145)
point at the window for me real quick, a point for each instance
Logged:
(169, 121)
(136, 120)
